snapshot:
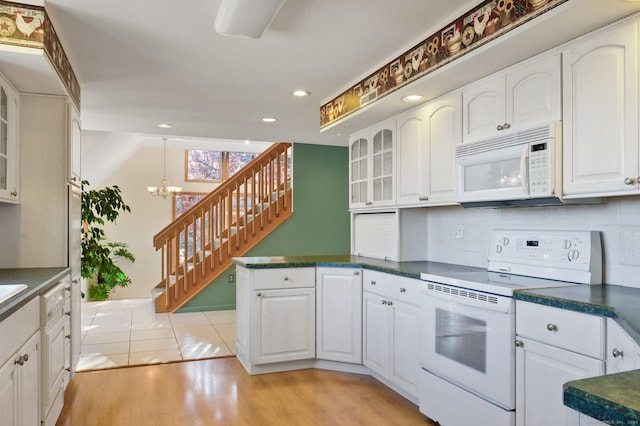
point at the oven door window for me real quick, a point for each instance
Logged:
(462, 339)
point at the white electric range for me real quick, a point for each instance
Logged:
(467, 351)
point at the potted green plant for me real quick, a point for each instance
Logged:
(100, 257)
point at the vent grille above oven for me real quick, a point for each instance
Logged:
(513, 139)
(464, 293)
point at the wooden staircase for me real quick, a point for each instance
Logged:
(198, 246)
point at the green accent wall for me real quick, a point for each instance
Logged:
(319, 225)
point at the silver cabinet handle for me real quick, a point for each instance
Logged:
(67, 289)
(286, 278)
(629, 181)
(14, 194)
(552, 327)
(373, 282)
(259, 294)
(67, 369)
(68, 314)
(403, 290)
(506, 126)
(423, 198)
(499, 127)
(368, 203)
(74, 282)
(356, 273)
(389, 303)
(68, 336)
(617, 353)
(519, 344)
(384, 302)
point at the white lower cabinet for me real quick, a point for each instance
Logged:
(276, 313)
(554, 347)
(339, 314)
(20, 367)
(391, 329)
(621, 349)
(284, 325)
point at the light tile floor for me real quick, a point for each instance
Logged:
(118, 333)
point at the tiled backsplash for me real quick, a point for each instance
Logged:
(618, 220)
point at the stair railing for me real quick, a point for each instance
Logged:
(197, 247)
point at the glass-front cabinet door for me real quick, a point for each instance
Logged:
(372, 166)
(359, 171)
(8, 143)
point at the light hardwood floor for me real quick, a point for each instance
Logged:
(220, 392)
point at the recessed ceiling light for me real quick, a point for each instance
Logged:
(246, 142)
(269, 119)
(412, 98)
(165, 126)
(300, 93)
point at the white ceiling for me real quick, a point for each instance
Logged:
(145, 62)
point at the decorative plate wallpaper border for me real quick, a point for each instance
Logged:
(485, 22)
(29, 26)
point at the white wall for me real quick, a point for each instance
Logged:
(618, 220)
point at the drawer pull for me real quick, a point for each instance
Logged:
(356, 273)
(519, 344)
(552, 327)
(389, 303)
(286, 278)
(373, 282)
(403, 290)
(384, 302)
(259, 294)
(617, 353)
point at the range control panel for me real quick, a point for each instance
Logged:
(546, 254)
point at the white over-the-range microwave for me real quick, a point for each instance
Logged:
(521, 168)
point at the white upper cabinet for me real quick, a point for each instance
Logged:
(372, 166)
(73, 147)
(426, 137)
(600, 108)
(413, 158)
(524, 96)
(444, 131)
(9, 159)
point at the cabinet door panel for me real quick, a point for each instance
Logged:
(339, 316)
(621, 349)
(28, 379)
(444, 131)
(541, 372)
(483, 109)
(377, 332)
(285, 325)
(600, 109)
(8, 393)
(406, 350)
(413, 159)
(533, 93)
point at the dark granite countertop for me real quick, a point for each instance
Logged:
(613, 398)
(405, 269)
(37, 280)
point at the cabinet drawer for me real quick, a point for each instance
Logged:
(392, 286)
(581, 333)
(265, 279)
(17, 328)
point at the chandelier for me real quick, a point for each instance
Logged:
(164, 190)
